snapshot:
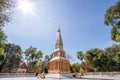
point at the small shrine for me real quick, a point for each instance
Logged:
(22, 68)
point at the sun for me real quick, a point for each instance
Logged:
(26, 7)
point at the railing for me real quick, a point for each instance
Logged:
(103, 73)
(15, 74)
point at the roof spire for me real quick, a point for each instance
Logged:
(58, 28)
(59, 43)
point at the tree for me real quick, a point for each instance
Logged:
(2, 56)
(118, 57)
(118, 61)
(112, 17)
(13, 57)
(2, 38)
(46, 63)
(112, 56)
(2, 42)
(33, 58)
(95, 58)
(104, 60)
(5, 11)
(75, 67)
(80, 55)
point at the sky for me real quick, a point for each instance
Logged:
(81, 22)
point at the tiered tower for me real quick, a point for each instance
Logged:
(59, 64)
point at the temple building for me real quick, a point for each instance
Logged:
(59, 64)
(22, 68)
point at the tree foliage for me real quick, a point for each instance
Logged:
(2, 42)
(46, 63)
(104, 60)
(2, 56)
(33, 58)
(13, 57)
(75, 67)
(43, 65)
(112, 17)
(80, 55)
(5, 11)
(94, 57)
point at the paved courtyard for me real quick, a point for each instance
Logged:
(88, 77)
(34, 78)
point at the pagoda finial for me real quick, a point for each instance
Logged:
(58, 28)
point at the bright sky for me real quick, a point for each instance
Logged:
(81, 21)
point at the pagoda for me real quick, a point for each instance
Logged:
(59, 66)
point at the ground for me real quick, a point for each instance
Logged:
(88, 77)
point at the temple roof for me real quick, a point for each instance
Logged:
(23, 65)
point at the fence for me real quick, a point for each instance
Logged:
(103, 73)
(15, 74)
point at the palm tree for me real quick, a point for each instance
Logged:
(80, 55)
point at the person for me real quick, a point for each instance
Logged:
(36, 72)
(39, 76)
(82, 72)
(43, 75)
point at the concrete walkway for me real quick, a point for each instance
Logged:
(88, 77)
